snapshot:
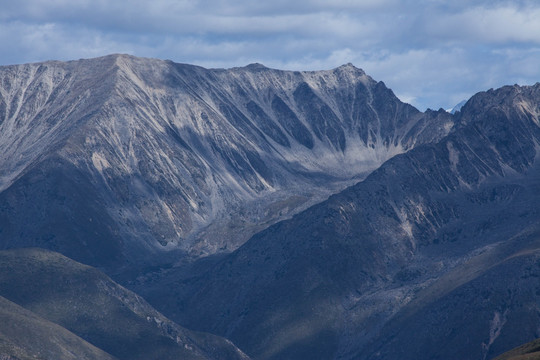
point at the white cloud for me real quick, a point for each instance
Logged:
(430, 52)
(501, 24)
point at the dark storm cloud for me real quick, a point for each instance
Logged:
(432, 53)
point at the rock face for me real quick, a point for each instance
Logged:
(436, 254)
(123, 162)
(117, 160)
(62, 302)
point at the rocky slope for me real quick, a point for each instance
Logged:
(123, 162)
(119, 159)
(62, 302)
(434, 255)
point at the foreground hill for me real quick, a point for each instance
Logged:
(120, 160)
(529, 351)
(25, 336)
(435, 255)
(61, 302)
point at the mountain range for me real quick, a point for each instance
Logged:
(296, 214)
(434, 254)
(119, 157)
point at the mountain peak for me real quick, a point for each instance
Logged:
(349, 67)
(256, 66)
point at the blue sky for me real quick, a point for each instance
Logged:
(432, 53)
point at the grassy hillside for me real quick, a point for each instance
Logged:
(529, 351)
(89, 304)
(24, 335)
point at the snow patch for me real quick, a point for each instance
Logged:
(99, 161)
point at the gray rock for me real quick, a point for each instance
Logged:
(433, 255)
(121, 160)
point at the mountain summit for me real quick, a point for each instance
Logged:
(117, 158)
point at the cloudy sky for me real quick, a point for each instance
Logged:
(432, 53)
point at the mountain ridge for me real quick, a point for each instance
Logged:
(31, 337)
(182, 159)
(299, 214)
(367, 252)
(90, 305)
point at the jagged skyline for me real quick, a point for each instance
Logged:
(432, 53)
